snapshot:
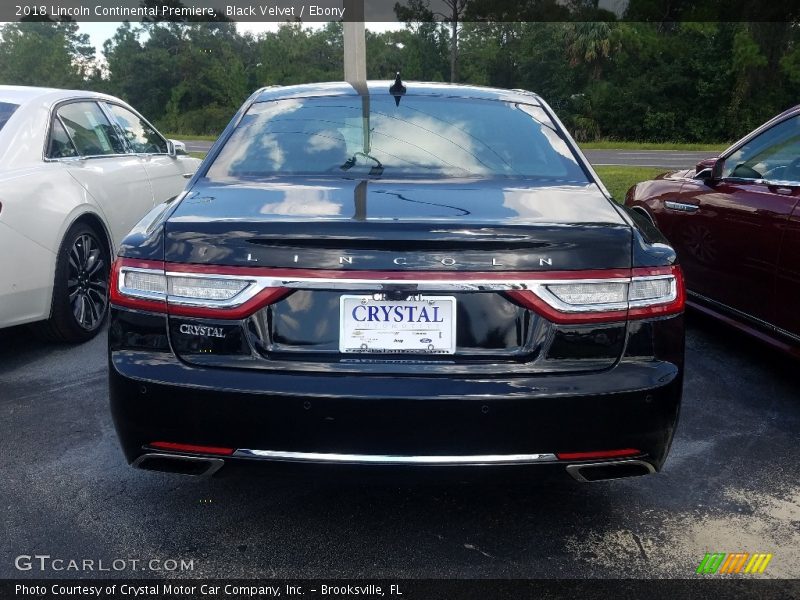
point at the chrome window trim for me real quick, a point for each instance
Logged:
(87, 157)
(393, 459)
(767, 182)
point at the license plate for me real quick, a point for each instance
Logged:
(419, 325)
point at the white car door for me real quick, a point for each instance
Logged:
(168, 174)
(114, 178)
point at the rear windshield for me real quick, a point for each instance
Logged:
(6, 110)
(422, 136)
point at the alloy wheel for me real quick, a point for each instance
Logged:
(87, 284)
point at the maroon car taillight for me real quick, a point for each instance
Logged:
(178, 290)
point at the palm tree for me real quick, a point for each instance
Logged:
(591, 43)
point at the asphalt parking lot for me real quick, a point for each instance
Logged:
(732, 483)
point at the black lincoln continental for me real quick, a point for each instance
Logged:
(396, 274)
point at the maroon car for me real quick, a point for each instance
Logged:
(735, 224)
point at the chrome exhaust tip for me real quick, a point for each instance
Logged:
(602, 471)
(196, 466)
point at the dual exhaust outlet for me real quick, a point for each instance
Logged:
(201, 466)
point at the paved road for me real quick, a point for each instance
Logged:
(644, 158)
(732, 483)
(198, 146)
(671, 159)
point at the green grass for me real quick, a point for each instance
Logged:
(200, 155)
(715, 148)
(618, 180)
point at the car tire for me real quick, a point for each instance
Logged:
(80, 288)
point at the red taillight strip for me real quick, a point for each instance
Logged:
(192, 448)
(598, 454)
(271, 284)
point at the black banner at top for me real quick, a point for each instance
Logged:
(311, 11)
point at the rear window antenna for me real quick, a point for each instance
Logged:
(397, 89)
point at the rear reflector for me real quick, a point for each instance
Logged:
(192, 448)
(598, 454)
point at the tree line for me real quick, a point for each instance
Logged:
(642, 81)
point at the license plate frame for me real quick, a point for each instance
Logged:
(412, 336)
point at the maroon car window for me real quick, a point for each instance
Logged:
(774, 155)
(419, 136)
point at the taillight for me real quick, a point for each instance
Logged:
(220, 292)
(647, 292)
(160, 287)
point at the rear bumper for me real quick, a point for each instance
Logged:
(413, 420)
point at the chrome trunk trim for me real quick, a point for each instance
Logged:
(383, 459)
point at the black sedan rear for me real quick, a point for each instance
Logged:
(430, 278)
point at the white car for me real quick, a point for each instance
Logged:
(77, 171)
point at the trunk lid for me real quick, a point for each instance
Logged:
(473, 225)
